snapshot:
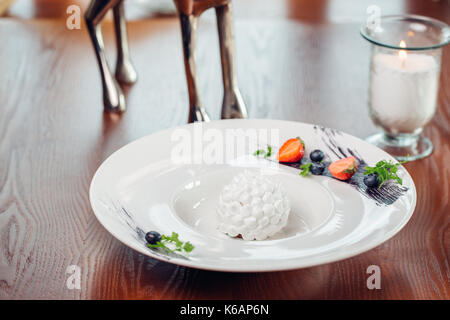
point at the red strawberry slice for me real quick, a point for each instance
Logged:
(292, 150)
(343, 169)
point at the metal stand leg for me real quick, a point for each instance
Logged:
(188, 29)
(113, 98)
(125, 72)
(233, 106)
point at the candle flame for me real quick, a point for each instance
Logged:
(402, 53)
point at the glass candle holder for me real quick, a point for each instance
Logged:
(404, 81)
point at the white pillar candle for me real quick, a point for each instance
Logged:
(403, 90)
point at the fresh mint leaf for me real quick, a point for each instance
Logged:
(305, 169)
(386, 170)
(264, 153)
(259, 152)
(172, 244)
(188, 247)
(269, 152)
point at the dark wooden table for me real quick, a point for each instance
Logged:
(300, 60)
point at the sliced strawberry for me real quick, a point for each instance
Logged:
(292, 150)
(343, 169)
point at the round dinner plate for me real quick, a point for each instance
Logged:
(170, 181)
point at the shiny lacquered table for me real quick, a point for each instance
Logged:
(297, 60)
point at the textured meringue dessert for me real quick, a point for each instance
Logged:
(253, 207)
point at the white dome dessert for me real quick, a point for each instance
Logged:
(252, 206)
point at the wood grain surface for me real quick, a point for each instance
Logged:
(298, 60)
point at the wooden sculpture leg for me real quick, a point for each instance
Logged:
(233, 106)
(188, 28)
(125, 72)
(113, 98)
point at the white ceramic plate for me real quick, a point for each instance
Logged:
(144, 186)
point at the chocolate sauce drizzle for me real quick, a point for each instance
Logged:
(386, 195)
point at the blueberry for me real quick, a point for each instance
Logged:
(316, 156)
(152, 237)
(317, 168)
(371, 180)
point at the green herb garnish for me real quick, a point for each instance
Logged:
(305, 169)
(259, 152)
(269, 151)
(386, 170)
(172, 243)
(264, 153)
